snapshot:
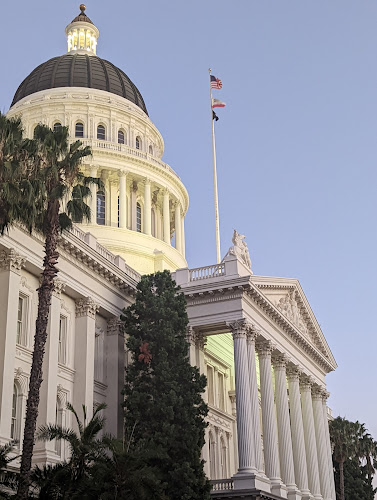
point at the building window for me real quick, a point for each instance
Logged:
(210, 385)
(59, 422)
(153, 222)
(98, 356)
(138, 142)
(118, 210)
(14, 427)
(121, 137)
(57, 126)
(101, 133)
(150, 150)
(224, 459)
(21, 337)
(62, 350)
(101, 207)
(212, 456)
(221, 399)
(79, 129)
(138, 217)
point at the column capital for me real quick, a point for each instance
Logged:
(146, 181)
(325, 396)
(134, 186)
(11, 261)
(201, 341)
(122, 173)
(264, 348)
(59, 287)
(86, 307)
(306, 382)
(191, 335)
(239, 328)
(317, 392)
(280, 361)
(293, 373)
(165, 191)
(114, 327)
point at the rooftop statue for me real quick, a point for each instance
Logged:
(239, 248)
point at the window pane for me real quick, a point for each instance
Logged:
(138, 143)
(101, 132)
(138, 217)
(57, 126)
(101, 208)
(79, 129)
(120, 137)
(13, 426)
(62, 349)
(210, 385)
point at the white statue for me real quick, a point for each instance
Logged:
(240, 248)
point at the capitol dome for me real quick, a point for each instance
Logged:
(80, 70)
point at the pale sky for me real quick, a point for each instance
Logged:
(296, 142)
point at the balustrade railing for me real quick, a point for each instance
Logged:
(105, 253)
(203, 273)
(222, 484)
(78, 232)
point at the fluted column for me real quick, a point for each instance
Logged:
(310, 440)
(183, 249)
(133, 205)
(122, 199)
(147, 207)
(298, 440)
(115, 376)
(93, 199)
(178, 232)
(321, 442)
(271, 454)
(283, 424)
(330, 466)
(254, 400)
(244, 417)
(166, 216)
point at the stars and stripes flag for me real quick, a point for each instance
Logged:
(216, 103)
(216, 83)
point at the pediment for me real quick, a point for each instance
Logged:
(288, 298)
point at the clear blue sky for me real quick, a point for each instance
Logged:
(296, 144)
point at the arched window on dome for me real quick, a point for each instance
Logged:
(101, 208)
(138, 217)
(121, 137)
(79, 129)
(57, 126)
(153, 222)
(150, 149)
(138, 142)
(101, 133)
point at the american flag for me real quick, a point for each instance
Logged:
(216, 83)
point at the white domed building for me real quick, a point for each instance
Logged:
(256, 338)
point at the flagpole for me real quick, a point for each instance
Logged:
(215, 177)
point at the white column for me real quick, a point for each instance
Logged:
(270, 440)
(122, 199)
(43, 450)
(284, 429)
(85, 329)
(133, 205)
(319, 426)
(147, 207)
(191, 340)
(246, 458)
(298, 440)
(310, 441)
(166, 216)
(10, 275)
(93, 199)
(115, 377)
(177, 223)
(254, 399)
(183, 244)
(330, 466)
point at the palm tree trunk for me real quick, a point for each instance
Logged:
(341, 480)
(50, 271)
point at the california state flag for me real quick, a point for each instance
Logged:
(216, 103)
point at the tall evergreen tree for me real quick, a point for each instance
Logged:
(164, 408)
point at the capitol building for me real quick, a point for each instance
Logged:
(254, 337)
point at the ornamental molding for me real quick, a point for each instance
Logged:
(306, 382)
(264, 348)
(114, 327)
(86, 307)
(22, 380)
(280, 361)
(59, 287)
(191, 335)
(11, 261)
(24, 284)
(239, 328)
(293, 373)
(217, 420)
(62, 395)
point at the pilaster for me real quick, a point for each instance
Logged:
(122, 199)
(115, 377)
(93, 196)
(147, 207)
(166, 216)
(177, 223)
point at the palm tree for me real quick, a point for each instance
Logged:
(72, 479)
(35, 177)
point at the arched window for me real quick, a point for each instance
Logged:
(138, 217)
(138, 142)
(121, 137)
(101, 208)
(223, 458)
(153, 222)
(79, 129)
(101, 133)
(211, 396)
(212, 456)
(57, 126)
(14, 426)
(150, 149)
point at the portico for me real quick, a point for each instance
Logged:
(280, 361)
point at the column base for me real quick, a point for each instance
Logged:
(44, 457)
(306, 495)
(294, 494)
(250, 481)
(279, 489)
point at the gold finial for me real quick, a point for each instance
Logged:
(82, 8)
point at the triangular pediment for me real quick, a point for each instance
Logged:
(288, 297)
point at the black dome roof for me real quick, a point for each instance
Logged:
(80, 70)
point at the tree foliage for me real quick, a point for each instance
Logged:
(354, 458)
(164, 409)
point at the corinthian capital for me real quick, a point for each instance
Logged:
(264, 348)
(86, 307)
(11, 261)
(293, 373)
(280, 361)
(239, 328)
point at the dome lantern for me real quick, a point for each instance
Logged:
(82, 35)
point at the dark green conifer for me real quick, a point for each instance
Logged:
(164, 409)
